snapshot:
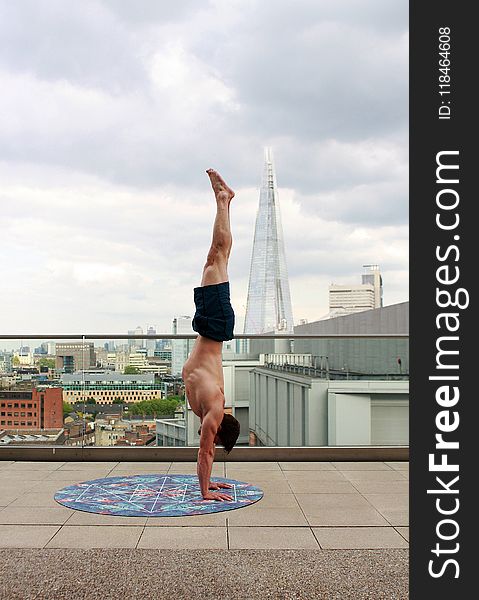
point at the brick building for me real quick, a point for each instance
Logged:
(40, 408)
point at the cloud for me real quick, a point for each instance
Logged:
(321, 70)
(80, 42)
(113, 111)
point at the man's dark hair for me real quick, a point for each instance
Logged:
(228, 432)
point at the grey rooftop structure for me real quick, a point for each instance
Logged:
(392, 319)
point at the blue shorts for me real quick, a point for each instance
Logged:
(214, 317)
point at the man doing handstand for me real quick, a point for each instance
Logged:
(214, 321)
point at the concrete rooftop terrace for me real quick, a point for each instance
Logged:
(322, 529)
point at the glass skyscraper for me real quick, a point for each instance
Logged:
(269, 300)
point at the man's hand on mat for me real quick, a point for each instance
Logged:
(216, 496)
(217, 486)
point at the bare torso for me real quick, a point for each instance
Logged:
(203, 377)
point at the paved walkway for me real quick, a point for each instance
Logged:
(306, 506)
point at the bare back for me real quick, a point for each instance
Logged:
(203, 377)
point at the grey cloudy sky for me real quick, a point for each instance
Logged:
(111, 111)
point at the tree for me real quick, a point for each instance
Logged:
(67, 408)
(179, 399)
(155, 407)
(47, 362)
(15, 361)
(129, 370)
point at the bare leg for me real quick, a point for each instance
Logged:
(216, 267)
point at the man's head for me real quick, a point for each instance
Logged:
(228, 432)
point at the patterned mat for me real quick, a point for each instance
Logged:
(154, 496)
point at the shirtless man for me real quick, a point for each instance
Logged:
(214, 321)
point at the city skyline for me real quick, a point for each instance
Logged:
(106, 207)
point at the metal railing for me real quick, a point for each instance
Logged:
(193, 336)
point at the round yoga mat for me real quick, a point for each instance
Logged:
(153, 496)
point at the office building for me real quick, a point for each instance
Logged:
(164, 354)
(136, 344)
(109, 388)
(74, 356)
(5, 362)
(122, 360)
(170, 432)
(105, 359)
(180, 349)
(23, 357)
(269, 301)
(373, 277)
(298, 409)
(150, 344)
(348, 299)
(138, 360)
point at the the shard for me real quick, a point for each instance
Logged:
(269, 301)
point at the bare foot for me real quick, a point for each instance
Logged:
(221, 190)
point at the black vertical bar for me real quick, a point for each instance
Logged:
(429, 135)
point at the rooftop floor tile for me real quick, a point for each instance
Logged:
(184, 537)
(346, 504)
(359, 537)
(96, 536)
(271, 538)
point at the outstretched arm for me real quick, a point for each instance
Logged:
(206, 455)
